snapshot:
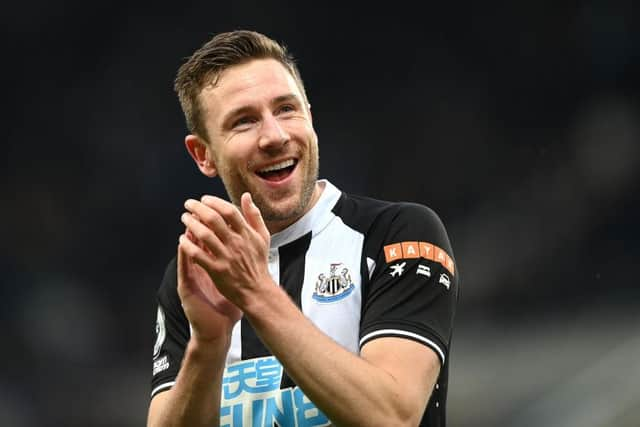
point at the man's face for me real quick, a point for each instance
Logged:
(262, 139)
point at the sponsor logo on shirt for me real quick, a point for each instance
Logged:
(407, 250)
(397, 269)
(423, 270)
(444, 280)
(160, 365)
(251, 396)
(334, 286)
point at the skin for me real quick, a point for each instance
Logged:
(223, 273)
(256, 119)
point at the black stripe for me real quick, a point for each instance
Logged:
(292, 263)
(292, 258)
(251, 345)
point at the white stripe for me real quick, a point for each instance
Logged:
(371, 265)
(427, 341)
(235, 351)
(315, 220)
(162, 387)
(340, 320)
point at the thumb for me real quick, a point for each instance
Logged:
(253, 216)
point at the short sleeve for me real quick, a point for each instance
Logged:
(413, 289)
(172, 333)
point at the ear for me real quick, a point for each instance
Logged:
(201, 153)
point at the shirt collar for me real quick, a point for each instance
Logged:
(315, 220)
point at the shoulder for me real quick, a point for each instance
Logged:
(415, 219)
(384, 218)
(412, 214)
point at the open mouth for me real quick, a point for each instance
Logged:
(279, 171)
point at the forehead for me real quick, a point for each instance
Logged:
(247, 84)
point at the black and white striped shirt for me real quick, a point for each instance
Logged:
(359, 269)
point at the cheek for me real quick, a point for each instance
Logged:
(298, 127)
(234, 157)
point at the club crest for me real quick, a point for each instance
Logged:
(335, 286)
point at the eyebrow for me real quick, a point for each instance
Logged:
(247, 108)
(283, 98)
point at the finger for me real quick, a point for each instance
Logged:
(209, 217)
(204, 236)
(197, 242)
(184, 266)
(253, 216)
(226, 210)
(189, 252)
(182, 261)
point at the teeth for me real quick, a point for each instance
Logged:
(277, 166)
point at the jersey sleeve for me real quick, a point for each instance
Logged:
(413, 289)
(172, 333)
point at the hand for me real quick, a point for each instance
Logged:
(210, 314)
(235, 245)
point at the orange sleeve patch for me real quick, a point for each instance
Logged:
(441, 255)
(426, 250)
(393, 252)
(410, 250)
(449, 265)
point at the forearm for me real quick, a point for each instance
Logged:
(346, 387)
(194, 400)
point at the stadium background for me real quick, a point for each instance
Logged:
(518, 123)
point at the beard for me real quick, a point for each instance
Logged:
(272, 212)
(271, 205)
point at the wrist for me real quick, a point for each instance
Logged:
(268, 306)
(208, 350)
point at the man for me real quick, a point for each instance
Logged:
(296, 304)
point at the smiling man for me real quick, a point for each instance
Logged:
(294, 304)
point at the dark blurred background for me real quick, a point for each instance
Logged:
(518, 123)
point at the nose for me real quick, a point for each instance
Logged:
(272, 134)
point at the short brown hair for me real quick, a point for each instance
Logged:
(221, 52)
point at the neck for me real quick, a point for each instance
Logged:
(277, 226)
